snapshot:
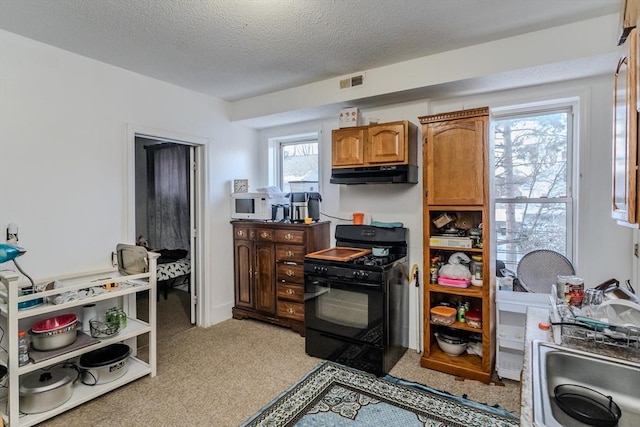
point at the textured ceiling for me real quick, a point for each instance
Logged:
(234, 49)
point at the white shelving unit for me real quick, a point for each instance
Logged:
(124, 294)
(511, 308)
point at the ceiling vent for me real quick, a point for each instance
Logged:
(352, 81)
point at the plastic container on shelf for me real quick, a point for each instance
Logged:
(23, 348)
(476, 270)
(474, 318)
(442, 315)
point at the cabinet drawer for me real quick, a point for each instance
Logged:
(245, 233)
(290, 236)
(290, 253)
(265, 234)
(291, 292)
(291, 310)
(290, 273)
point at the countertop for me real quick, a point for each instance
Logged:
(536, 315)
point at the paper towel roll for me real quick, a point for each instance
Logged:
(88, 313)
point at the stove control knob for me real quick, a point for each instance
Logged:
(365, 274)
(356, 274)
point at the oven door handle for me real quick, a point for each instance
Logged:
(339, 283)
(311, 295)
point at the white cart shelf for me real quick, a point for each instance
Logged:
(124, 294)
(511, 309)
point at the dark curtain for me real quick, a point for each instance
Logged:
(168, 196)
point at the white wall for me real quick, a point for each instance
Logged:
(63, 160)
(604, 250)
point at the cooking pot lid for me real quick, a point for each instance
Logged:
(41, 381)
(587, 405)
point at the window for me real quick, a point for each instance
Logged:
(533, 183)
(298, 163)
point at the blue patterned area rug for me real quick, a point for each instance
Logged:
(335, 395)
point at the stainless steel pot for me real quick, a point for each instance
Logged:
(55, 339)
(41, 391)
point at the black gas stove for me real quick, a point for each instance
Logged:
(357, 309)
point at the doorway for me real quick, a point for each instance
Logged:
(165, 196)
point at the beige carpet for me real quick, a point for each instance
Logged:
(220, 376)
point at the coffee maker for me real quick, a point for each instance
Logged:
(304, 205)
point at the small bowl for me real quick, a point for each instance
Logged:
(450, 347)
(25, 305)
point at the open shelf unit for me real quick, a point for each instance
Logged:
(457, 176)
(123, 295)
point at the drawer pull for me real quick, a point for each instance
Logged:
(291, 291)
(242, 233)
(289, 254)
(290, 273)
(264, 235)
(291, 310)
(288, 236)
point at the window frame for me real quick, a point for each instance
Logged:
(276, 145)
(571, 108)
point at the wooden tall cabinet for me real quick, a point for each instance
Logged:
(268, 270)
(456, 184)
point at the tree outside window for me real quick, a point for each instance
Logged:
(533, 184)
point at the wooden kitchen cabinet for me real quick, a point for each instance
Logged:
(625, 206)
(347, 147)
(268, 269)
(629, 15)
(454, 147)
(393, 143)
(456, 182)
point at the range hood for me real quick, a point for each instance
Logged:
(399, 174)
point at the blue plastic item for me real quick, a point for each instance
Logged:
(387, 224)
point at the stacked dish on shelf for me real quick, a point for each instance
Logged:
(54, 333)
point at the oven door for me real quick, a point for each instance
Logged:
(345, 308)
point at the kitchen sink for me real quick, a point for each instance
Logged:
(552, 365)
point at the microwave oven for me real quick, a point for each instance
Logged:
(256, 206)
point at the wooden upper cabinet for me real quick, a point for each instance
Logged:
(393, 143)
(625, 136)
(347, 147)
(455, 153)
(386, 144)
(629, 15)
